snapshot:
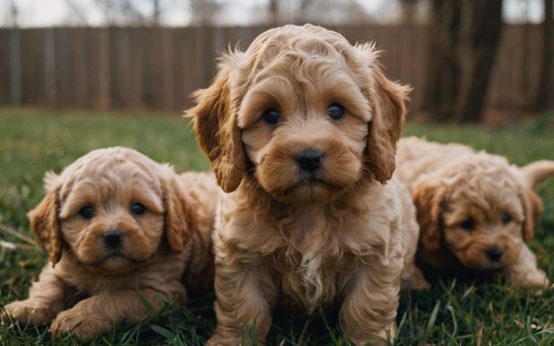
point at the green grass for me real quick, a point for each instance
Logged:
(33, 142)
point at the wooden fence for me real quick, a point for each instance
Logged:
(158, 68)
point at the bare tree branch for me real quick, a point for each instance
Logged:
(203, 12)
(120, 12)
(14, 14)
(76, 14)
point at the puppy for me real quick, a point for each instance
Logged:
(120, 231)
(301, 131)
(475, 211)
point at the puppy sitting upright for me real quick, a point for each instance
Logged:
(120, 230)
(301, 130)
(475, 210)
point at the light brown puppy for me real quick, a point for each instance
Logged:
(475, 211)
(301, 130)
(121, 231)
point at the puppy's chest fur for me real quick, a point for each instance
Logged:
(312, 261)
(152, 274)
(312, 251)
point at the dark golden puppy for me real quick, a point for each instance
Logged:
(475, 210)
(301, 129)
(120, 231)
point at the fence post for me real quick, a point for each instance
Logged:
(50, 67)
(168, 74)
(15, 67)
(104, 69)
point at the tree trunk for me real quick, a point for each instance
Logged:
(408, 10)
(463, 43)
(546, 91)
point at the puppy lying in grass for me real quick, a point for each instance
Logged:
(476, 211)
(121, 231)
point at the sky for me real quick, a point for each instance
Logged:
(41, 13)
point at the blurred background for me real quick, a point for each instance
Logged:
(468, 60)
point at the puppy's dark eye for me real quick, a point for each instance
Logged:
(87, 212)
(271, 116)
(137, 209)
(335, 111)
(468, 224)
(506, 218)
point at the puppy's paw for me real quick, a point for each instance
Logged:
(371, 340)
(535, 281)
(28, 311)
(83, 325)
(222, 340)
(382, 337)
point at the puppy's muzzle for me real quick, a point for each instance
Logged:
(310, 160)
(113, 238)
(494, 253)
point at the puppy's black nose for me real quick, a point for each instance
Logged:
(112, 238)
(494, 253)
(310, 160)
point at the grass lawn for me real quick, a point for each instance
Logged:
(33, 142)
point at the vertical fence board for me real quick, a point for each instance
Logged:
(49, 78)
(4, 67)
(15, 62)
(104, 100)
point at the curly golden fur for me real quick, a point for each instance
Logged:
(475, 211)
(93, 280)
(306, 239)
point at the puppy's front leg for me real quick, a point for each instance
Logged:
(46, 300)
(245, 295)
(99, 313)
(525, 273)
(369, 308)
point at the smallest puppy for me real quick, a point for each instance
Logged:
(475, 210)
(121, 231)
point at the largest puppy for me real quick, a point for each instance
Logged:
(301, 130)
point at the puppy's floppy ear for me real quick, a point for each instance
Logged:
(389, 111)
(45, 222)
(216, 127)
(428, 200)
(179, 219)
(535, 174)
(533, 208)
